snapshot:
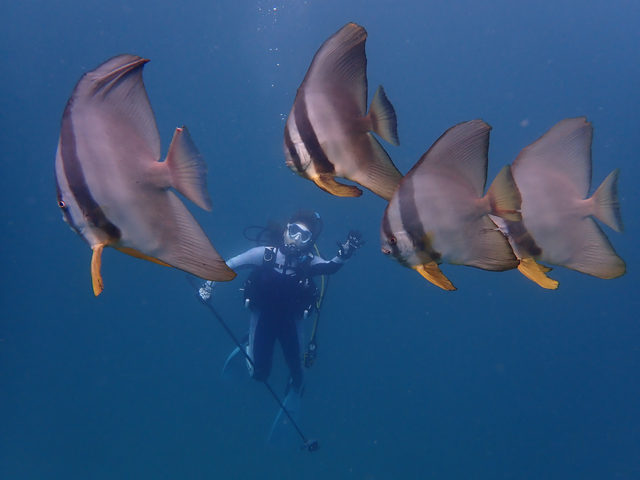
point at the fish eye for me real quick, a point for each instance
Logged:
(61, 204)
(392, 240)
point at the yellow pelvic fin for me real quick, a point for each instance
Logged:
(537, 273)
(327, 183)
(432, 272)
(96, 262)
(135, 253)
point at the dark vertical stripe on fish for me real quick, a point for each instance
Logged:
(76, 180)
(292, 150)
(321, 162)
(65, 209)
(410, 218)
(388, 233)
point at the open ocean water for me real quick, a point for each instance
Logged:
(499, 380)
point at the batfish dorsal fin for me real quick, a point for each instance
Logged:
(564, 150)
(461, 151)
(118, 88)
(342, 61)
(188, 170)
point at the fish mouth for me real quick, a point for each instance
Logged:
(386, 251)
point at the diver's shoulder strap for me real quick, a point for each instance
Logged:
(270, 255)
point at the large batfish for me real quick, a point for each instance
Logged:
(328, 132)
(553, 175)
(112, 189)
(439, 213)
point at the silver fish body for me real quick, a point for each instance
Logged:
(111, 187)
(328, 131)
(439, 212)
(553, 175)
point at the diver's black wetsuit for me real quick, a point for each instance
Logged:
(281, 293)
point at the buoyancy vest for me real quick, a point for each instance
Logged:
(266, 288)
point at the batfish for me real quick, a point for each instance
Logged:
(112, 189)
(553, 175)
(439, 213)
(328, 132)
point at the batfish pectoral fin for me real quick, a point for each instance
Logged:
(432, 272)
(135, 253)
(537, 273)
(327, 183)
(96, 262)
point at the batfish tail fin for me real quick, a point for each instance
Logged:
(188, 169)
(383, 117)
(96, 263)
(504, 196)
(329, 184)
(537, 273)
(606, 204)
(432, 272)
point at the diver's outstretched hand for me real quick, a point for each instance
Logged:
(352, 243)
(204, 293)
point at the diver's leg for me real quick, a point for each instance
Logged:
(262, 339)
(289, 336)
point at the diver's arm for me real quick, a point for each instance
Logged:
(250, 258)
(320, 266)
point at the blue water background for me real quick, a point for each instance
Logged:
(499, 380)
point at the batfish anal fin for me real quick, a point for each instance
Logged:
(328, 183)
(606, 203)
(432, 272)
(537, 273)
(186, 246)
(595, 256)
(383, 117)
(378, 173)
(489, 248)
(96, 263)
(135, 253)
(188, 169)
(504, 196)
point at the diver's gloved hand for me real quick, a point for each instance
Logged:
(204, 294)
(348, 248)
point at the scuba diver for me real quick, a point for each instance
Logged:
(280, 292)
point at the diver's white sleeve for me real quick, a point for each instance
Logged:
(250, 258)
